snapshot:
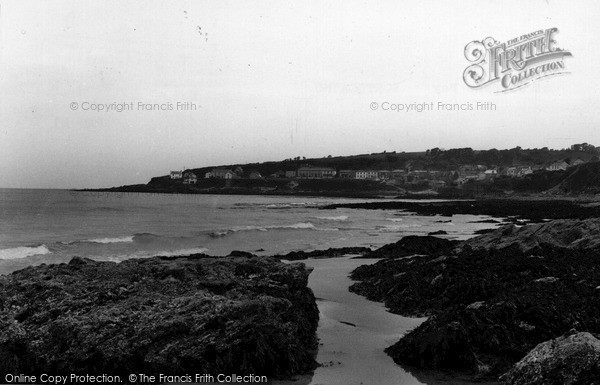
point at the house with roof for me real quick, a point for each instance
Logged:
(490, 173)
(316, 172)
(510, 171)
(347, 174)
(366, 174)
(176, 174)
(524, 170)
(255, 175)
(577, 162)
(222, 173)
(189, 178)
(557, 166)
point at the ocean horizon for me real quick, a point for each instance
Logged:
(53, 225)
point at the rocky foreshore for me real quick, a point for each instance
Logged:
(171, 315)
(514, 210)
(328, 253)
(492, 299)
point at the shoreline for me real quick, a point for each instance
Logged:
(353, 331)
(491, 299)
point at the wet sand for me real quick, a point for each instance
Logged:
(353, 331)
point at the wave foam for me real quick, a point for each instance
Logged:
(195, 250)
(126, 239)
(340, 218)
(295, 226)
(23, 252)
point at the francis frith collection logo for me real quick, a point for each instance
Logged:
(515, 63)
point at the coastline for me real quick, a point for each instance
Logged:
(353, 331)
(381, 272)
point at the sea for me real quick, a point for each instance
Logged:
(51, 226)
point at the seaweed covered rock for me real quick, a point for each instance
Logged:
(572, 359)
(199, 314)
(488, 308)
(329, 253)
(576, 234)
(414, 244)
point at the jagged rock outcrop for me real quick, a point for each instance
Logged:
(488, 307)
(576, 234)
(170, 315)
(572, 359)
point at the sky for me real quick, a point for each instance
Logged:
(270, 81)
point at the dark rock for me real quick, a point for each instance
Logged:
(533, 210)
(329, 253)
(578, 234)
(414, 244)
(487, 307)
(483, 231)
(439, 232)
(572, 359)
(170, 315)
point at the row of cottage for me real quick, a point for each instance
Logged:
(461, 175)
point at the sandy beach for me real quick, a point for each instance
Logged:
(353, 331)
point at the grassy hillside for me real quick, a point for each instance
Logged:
(433, 159)
(582, 179)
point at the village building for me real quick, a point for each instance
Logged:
(347, 174)
(577, 162)
(255, 175)
(511, 171)
(524, 170)
(222, 173)
(491, 173)
(366, 174)
(290, 174)
(384, 174)
(316, 172)
(189, 178)
(558, 166)
(176, 174)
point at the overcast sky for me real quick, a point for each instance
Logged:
(270, 80)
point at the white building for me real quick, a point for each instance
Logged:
(366, 174)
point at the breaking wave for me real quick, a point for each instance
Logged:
(295, 226)
(23, 252)
(340, 218)
(139, 237)
(111, 240)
